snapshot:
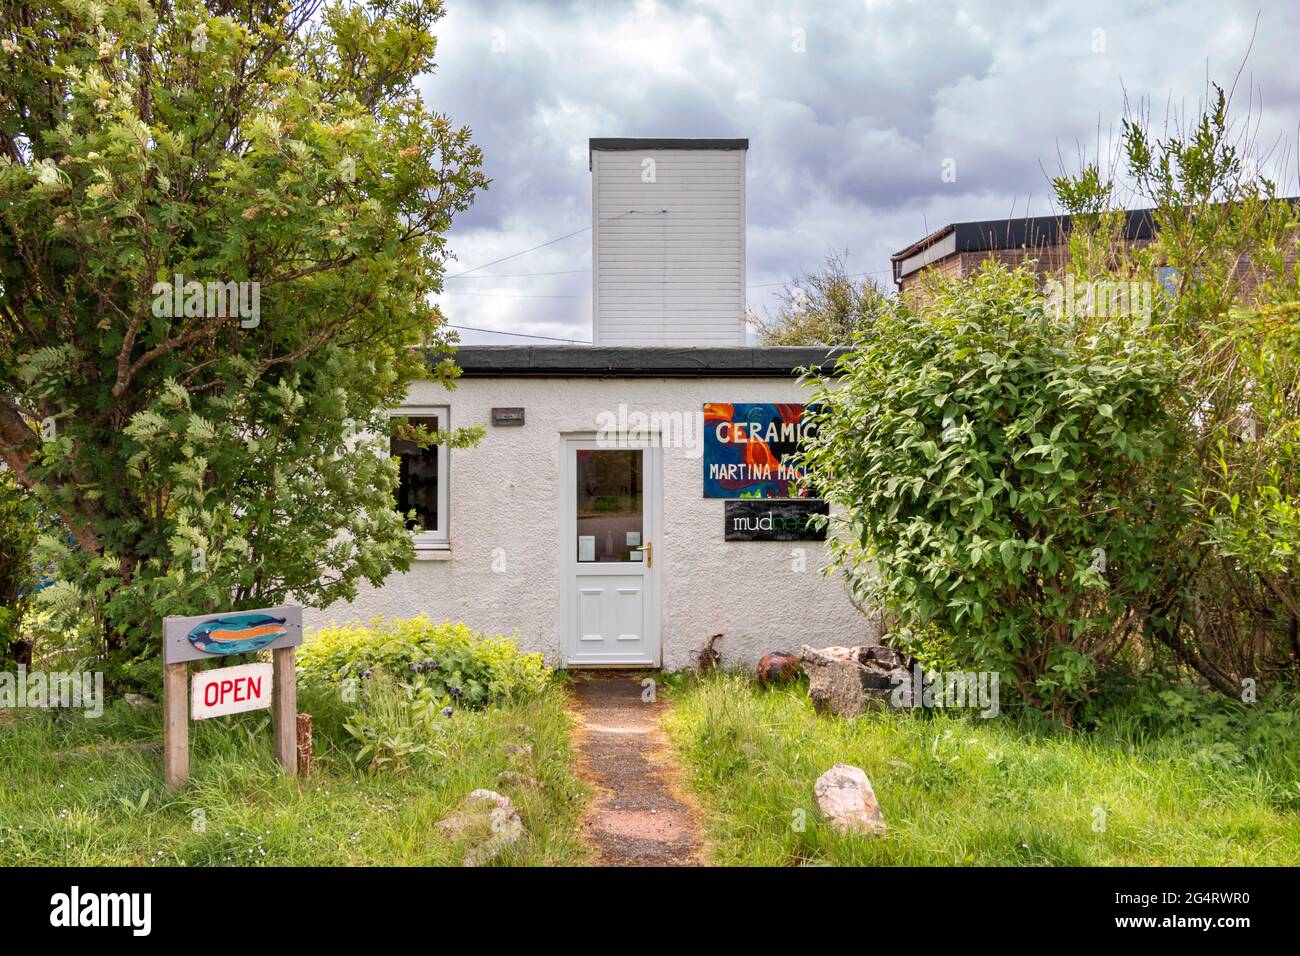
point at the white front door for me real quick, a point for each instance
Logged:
(610, 610)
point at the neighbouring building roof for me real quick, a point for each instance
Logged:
(588, 361)
(1031, 232)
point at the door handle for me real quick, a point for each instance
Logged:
(649, 550)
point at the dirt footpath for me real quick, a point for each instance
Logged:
(640, 817)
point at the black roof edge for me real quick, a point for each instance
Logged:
(664, 142)
(641, 142)
(616, 361)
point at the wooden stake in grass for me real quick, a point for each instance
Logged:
(304, 745)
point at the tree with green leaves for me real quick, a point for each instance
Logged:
(1054, 489)
(17, 538)
(1230, 244)
(220, 226)
(823, 307)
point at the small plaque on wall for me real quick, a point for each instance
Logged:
(507, 416)
(757, 519)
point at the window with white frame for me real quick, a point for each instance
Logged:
(423, 484)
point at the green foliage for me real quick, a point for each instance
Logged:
(1050, 497)
(1230, 243)
(211, 459)
(824, 307)
(1247, 501)
(18, 530)
(447, 662)
(1221, 734)
(1004, 476)
(396, 723)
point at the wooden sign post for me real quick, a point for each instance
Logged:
(229, 690)
(284, 709)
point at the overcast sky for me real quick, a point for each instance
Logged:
(852, 110)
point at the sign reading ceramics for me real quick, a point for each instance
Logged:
(748, 447)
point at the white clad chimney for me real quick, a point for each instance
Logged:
(668, 241)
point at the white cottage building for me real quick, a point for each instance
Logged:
(630, 498)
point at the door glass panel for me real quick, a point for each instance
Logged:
(609, 504)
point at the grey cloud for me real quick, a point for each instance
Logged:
(848, 134)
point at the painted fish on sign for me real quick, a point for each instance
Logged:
(209, 636)
(237, 633)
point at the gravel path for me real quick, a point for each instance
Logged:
(639, 817)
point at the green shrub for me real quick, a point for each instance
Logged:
(441, 660)
(397, 723)
(1226, 243)
(18, 530)
(1005, 476)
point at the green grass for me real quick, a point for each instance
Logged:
(958, 790)
(63, 806)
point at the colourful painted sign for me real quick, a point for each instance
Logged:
(231, 690)
(207, 636)
(237, 633)
(747, 447)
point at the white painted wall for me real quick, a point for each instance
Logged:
(668, 255)
(505, 494)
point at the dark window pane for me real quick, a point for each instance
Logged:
(417, 489)
(609, 505)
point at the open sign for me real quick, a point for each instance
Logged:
(230, 690)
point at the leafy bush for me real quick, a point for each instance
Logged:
(18, 532)
(1213, 732)
(1247, 502)
(1226, 245)
(396, 723)
(448, 660)
(1005, 476)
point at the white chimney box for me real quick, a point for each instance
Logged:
(668, 241)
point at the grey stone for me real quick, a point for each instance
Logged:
(849, 681)
(845, 795)
(488, 822)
